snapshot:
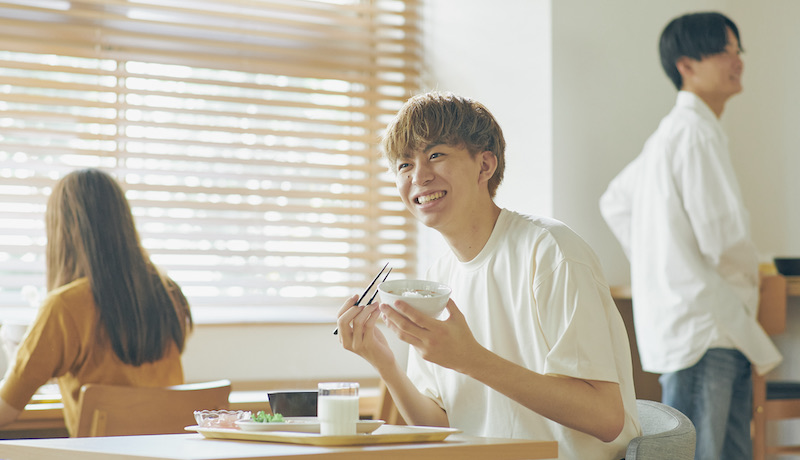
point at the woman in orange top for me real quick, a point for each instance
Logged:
(110, 316)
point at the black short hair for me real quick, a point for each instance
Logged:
(696, 36)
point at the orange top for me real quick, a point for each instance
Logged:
(62, 342)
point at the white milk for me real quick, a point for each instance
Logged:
(337, 415)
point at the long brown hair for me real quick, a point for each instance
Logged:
(91, 233)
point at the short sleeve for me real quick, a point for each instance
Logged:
(573, 314)
(421, 374)
(42, 355)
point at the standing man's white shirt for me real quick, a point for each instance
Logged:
(694, 268)
(534, 295)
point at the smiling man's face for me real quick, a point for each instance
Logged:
(717, 77)
(441, 185)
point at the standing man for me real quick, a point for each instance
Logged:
(531, 345)
(678, 213)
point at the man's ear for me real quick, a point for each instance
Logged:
(685, 66)
(488, 162)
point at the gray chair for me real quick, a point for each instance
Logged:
(667, 434)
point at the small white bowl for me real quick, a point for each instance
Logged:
(220, 418)
(428, 297)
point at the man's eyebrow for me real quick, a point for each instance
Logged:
(431, 147)
(410, 153)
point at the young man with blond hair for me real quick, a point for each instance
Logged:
(531, 344)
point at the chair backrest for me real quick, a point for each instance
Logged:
(111, 410)
(667, 434)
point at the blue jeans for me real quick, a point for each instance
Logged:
(717, 396)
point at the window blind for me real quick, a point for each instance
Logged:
(244, 132)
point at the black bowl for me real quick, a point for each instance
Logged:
(788, 266)
(294, 403)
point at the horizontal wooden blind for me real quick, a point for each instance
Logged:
(243, 131)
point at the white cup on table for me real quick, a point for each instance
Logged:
(337, 408)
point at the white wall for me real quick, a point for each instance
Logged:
(609, 93)
(763, 123)
(498, 52)
(502, 60)
(274, 352)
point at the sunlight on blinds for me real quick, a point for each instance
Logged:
(244, 133)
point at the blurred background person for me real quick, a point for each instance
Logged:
(678, 213)
(110, 316)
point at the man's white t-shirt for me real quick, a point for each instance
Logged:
(536, 296)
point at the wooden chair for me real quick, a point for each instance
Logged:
(111, 410)
(773, 400)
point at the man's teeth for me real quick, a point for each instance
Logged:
(431, 197)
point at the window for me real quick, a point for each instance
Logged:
(243, 131)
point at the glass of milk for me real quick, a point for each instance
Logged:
(337, 408)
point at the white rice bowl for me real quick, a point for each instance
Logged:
(428, 297)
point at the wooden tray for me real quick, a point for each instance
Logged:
(386, 434)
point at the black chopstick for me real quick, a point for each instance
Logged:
(336, 331)
(376, 289)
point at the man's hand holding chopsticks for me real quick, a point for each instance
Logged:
(358, 333)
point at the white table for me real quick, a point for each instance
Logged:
(195, 447)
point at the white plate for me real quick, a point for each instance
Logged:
(302, 425)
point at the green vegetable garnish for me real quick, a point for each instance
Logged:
(264, 417)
